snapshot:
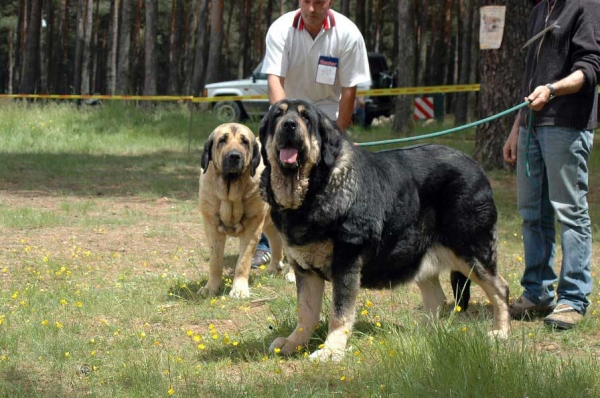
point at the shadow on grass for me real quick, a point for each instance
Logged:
(172, 174)
(20, 383)
(188, 290)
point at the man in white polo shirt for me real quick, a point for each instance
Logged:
(318, 55)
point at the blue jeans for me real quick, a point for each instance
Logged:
(558, 184)
(263, 243)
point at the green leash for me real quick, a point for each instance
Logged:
(529, 131)
(452, 130)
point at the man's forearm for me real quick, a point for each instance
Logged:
(570, 84)
(346, 108)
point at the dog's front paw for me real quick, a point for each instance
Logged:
(501, 334)
(274, 267)
(327, 354)
(239, 291)
(284, 345)
(238, 228)
(208, 291)
(290, 276)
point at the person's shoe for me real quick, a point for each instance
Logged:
(522, 308)
(563, 317)
(261, 257)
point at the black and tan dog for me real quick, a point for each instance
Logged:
(375, 220)
(231, 205)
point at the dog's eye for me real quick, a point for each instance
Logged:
(223, 140)
(306, 118)
(245, 141)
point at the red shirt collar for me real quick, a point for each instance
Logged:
(328, 22)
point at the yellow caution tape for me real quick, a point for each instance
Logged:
(362, 93)
(100, 97)
(370, 93)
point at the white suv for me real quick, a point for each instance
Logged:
(232, 111)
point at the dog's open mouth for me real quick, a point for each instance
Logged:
(288, 157)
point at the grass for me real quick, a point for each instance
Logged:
(102, 251)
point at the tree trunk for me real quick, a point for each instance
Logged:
(465, 35)
(111, 64)
(79, 20)
(441, 31)
(200, 57)
(60, 54)
(47, 68)
(86, 54)
(268, 14)
(175, 47)
(227, 34)
(124, 52)
(345, 8)
(11, 59)
(361, 17)
(32, 49)
(191, 23)
(20, 44)
(137, 60)
(244, 38)
(423, 44)
(378, 26)
(96, 33)
(406, 64)
(150, 55)
(259, 36)
(501, 79)
(213, 72)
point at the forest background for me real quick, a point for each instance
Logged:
(175, 47)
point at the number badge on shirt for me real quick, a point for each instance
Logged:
(327, 69)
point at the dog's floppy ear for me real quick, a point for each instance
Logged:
(207, 152)
(331, 138)
(255, 157)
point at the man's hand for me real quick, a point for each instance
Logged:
(510, 146)
(538, 98)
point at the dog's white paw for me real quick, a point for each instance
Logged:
(239, 292)
(290, 276)
(327, 354)
(239, 288)
(501, 334)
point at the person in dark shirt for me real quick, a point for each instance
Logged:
(550, 142)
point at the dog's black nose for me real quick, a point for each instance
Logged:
(290, 124)
(234, 156)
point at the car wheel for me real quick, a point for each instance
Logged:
(228, 111)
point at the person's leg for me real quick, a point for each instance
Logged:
(567, 152)
(538, 222)
(262, 255)
(263, 243)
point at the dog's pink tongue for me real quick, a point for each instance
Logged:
(288, 155)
